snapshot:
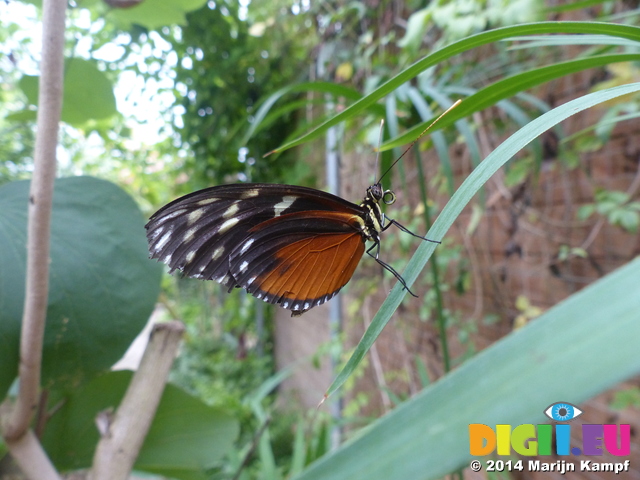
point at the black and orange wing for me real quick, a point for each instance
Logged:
(212, 233)
(299, 260)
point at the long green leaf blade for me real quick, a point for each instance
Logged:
(595, 28)
(507, 88)
(511, 382)
(459, 200)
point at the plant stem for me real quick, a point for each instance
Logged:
(40, 203)
(435, 271)
(123, 435)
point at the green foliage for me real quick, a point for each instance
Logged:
(470, 105)
(219, 369)
(565, 252)
(87, 94)
(16, 138)
(427, 437)
(16, 147)
(102, 291)
(153, 14)
(103, 287)
(626, 398)
(227, 67)
(185, 438)
(224, 357)
(616, 207)
(224, 70)
(463, 195)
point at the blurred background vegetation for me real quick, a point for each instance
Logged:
(169, 97)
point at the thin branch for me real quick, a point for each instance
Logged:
(40, 201)
(31, 458)
(122, 438)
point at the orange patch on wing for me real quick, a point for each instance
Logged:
(314, 267)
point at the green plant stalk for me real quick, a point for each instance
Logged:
(435, 271)
(435, 274)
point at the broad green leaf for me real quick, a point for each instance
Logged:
(185, 438)
(88, 93)
(469, 43)
(459, 200)
(153, 14)
(102, 285)
(556, 357)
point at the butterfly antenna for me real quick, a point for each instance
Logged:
(379, 143)
(419, 136)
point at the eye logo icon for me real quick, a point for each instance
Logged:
(562, 412)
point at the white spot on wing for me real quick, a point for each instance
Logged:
(162, 242)
(243, 266)
(259, 296)
(194, 216)
(232, 210)
(285, 304)
(253, 192)
(246, 246)
(251, 280)
(227, 225)
(307, 306)
(174, 214)
(217, 253)
(284, 204)
(207, 201)
(156, 232)
(190, 256)
(188, 236)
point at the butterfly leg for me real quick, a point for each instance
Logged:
(388, 267)
(405, 229)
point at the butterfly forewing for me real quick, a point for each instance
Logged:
(288, 245)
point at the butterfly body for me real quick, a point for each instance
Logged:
(287, 245)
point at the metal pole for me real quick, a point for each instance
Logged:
(332, 162)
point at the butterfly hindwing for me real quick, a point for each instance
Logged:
(299, 260)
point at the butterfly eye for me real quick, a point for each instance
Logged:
(388, 197)
(562, 412)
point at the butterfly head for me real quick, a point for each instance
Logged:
(375, 193)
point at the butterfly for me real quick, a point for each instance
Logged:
(287, 245)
